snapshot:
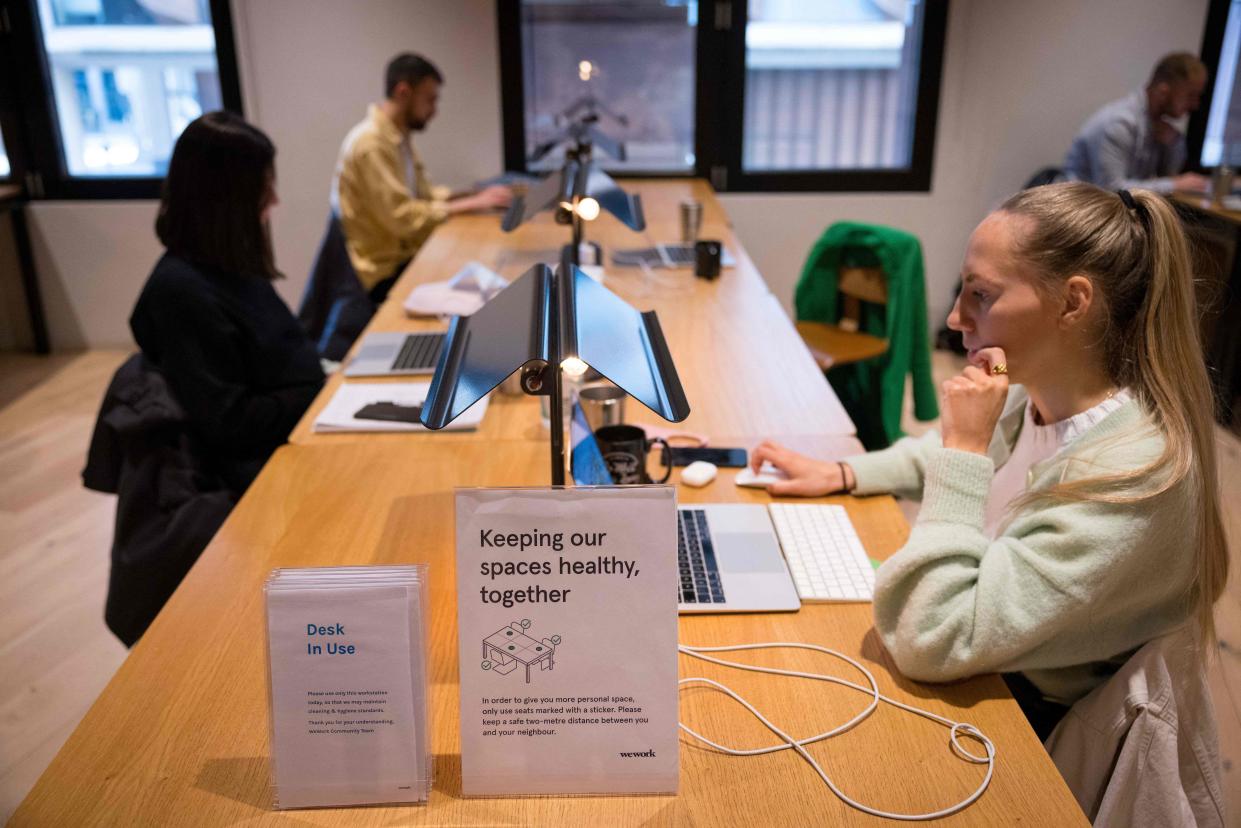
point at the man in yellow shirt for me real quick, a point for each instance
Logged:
(386, 204)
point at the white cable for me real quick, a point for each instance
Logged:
(798, 745)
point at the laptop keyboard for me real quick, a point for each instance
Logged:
(700, 575)
(665, 255)
(419, 352)
(823, 551)
(681, 255)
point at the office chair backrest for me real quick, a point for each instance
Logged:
(857, 285)
(335, 307)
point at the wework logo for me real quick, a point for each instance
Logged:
(646, 754)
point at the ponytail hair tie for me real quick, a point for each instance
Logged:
(1131, 203)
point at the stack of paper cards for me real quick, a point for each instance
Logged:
(348, 682)
(386, 406)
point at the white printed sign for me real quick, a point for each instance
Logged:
(567, 613)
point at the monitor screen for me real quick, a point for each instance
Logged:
(1222, 141)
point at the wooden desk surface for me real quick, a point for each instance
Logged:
(180, 735)
(1205, 204)
(744, 368)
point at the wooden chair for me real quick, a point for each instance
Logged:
(843, 343)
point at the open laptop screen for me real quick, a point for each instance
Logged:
(589, 468)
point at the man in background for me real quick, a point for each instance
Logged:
(1139, 140)
(386, 204)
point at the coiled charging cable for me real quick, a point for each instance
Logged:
(956, 729)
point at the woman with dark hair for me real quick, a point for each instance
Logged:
(208, 318)
(224, 374)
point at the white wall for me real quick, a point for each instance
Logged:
(1018, 79)
(92, 259)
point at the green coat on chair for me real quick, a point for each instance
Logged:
(873, 391)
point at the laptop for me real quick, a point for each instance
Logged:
(669, 256)
(730, 561)
(396, 355)
(729, 556)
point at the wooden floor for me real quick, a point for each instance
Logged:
(56, 654)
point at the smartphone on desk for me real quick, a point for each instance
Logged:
(390, 411)
(732, 458)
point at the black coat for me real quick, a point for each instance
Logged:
(224, 375)
(236, 360)
(169, 503)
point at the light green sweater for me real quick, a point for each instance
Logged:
(1064, 594)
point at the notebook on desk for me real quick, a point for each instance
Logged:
(385, 407)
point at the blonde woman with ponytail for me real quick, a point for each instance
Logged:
(1069, 509)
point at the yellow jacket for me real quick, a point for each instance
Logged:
(386, 204)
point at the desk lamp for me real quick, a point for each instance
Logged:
(548, 322)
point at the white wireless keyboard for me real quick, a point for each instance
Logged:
(824, 554)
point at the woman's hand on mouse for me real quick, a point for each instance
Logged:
(806, 477)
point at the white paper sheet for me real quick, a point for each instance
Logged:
(350, 397)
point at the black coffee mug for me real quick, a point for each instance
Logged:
(707, 259)
(624, 449)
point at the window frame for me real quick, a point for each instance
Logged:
(40, 161)
(720, 64)
(1209, 54)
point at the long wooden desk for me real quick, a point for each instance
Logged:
(180, 735)
(744, 368)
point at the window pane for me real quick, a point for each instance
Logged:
(5, 168)
(630, 63)
(127, 76)
(830, 85)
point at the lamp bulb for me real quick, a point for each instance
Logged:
(588, 209)
(573, 366)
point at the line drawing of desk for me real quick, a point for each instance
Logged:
(511, 646)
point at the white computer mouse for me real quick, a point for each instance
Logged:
(698, 473)
(767, 475)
